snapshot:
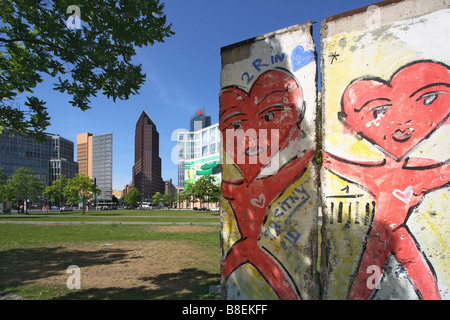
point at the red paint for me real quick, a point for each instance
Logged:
(274, 102)
(415, 102)
(409, 108)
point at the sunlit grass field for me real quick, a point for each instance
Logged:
(32, 256)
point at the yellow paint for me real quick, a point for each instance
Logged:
(290, 230)
(345, 238)
(250, 284)
(430, 224)
(229, 170)
(230, 233)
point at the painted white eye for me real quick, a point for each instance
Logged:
(380, 110)
(428, 98)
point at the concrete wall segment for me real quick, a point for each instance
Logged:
(385, 190)
(269, 208)
(385, 229)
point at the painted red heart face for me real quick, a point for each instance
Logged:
(397, 114)
(256, 125)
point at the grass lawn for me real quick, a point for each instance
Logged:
(116, 261)
(174, 216)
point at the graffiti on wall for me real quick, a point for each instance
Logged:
(396, 115)
(386, 174)
(268, 179)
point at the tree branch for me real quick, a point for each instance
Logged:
(35, 41)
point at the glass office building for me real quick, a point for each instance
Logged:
(49, 160)
(199, 120)
(198, 154)
(102, 164)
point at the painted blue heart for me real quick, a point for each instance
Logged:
(300, 57)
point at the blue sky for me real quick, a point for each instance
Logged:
(183, 74)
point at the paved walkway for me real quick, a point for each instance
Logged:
(115, 222)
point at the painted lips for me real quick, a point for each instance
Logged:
(402, 135)
(254, 151)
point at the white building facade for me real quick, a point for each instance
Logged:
(198, 155)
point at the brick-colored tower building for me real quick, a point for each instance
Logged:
(147, 163)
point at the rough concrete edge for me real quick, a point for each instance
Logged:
(244, 46)
(408, 8)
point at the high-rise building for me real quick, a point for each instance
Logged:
(147, 163)
(84, 154)
(49, 160)
(94, 156)
(198, 150)
(199, 120)
(169, 187)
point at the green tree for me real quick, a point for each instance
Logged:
(56, 192)
(37, 39)
(133, 197)
(22, 186)
(206, 189)
(157, 198)
(169, 199)
(189, 194)
(80, 189)
(3, 180)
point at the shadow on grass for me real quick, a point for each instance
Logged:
(187, 284)
(20, 267)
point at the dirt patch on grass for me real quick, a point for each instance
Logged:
(122, 270)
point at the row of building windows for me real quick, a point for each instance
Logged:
(207, 135)
(199, 143)
(190, 152)
(21, 147)
(49, 160)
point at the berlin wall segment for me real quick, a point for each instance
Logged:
(269, 183)
(385, 176)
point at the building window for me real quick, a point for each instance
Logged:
(180, 149)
